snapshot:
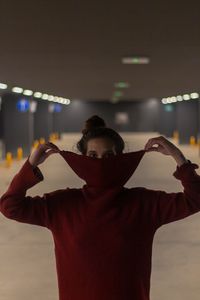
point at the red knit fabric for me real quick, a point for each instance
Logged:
(103, 232)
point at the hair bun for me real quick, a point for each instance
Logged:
(93, 122)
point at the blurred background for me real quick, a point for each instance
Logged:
(135, 64)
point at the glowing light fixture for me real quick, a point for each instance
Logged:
(194, 95)
(67, 101)
(136, 60)
(121, 85)
(50, 98)
(169, 100)
(164, 101)
(55, 99)
(60, 100)
(17, 90)
(3, 86)
(186, 97)
(45, 96)
(173, 99)
(179, 98)
(118, 94)
(38, 95)
(28, 92)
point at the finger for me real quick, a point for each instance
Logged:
(50, 152)
(52, 145)
(149, 143)
(153, 149)
(45, 147)
(153, 141)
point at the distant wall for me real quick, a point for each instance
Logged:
(42, 121)
(143, 115)
(187, 120)
(22, 128)
(17, 127)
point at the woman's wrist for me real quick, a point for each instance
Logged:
(179, 158)
(32, 164)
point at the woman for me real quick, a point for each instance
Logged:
(103, 232)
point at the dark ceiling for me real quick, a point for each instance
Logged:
(74, 48)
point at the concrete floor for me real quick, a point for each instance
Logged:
(27, 264)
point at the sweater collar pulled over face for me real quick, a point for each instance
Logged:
(104, 173)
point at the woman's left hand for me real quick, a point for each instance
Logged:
(164, 146)
(167, 148)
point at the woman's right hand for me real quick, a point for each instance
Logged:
(40, 154)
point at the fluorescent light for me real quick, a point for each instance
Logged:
(37, 95)
(45, 96)
(135, 60)
(194, 95)
(17, 90)
(50, 98)
(179, 98)
(28, 92)
(67, 101)
(60, 100)
(186, 97)
(164, 100)
(121, 85)
(169, 100)
(56, 99)
(173, 99)
(3, 86)
(118, 94)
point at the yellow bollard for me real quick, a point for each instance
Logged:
(35, 144)
(19, 153)
(192, 141)
(42, 141)
(51, 137)
(9, 159)
(175, 134)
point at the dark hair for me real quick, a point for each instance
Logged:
(96, 127)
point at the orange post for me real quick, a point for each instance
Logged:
(192, 141)
(42, 141)
(9, 159)
(19, 153)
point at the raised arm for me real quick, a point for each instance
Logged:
(162, 207)
(168, 207)
(14, 203)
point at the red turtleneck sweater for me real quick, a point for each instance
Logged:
(103, 232)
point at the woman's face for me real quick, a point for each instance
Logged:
(100, 147)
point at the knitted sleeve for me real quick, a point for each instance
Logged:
(169, 207)
(38, 210)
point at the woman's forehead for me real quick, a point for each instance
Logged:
(97, 143)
